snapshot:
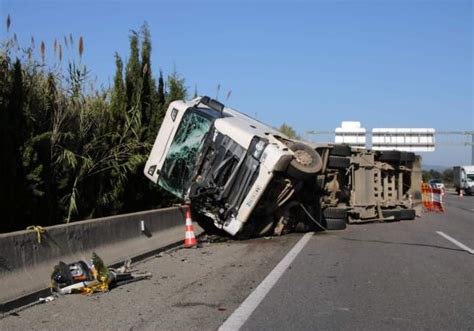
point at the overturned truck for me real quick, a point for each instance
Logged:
(248, 179)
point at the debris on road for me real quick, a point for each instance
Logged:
(47, 299)
(212, 238)
(80, 277)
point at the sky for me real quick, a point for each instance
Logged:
(310, 64)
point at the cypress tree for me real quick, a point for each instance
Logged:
(147, 82)
(157, 112)
(7, 150)
(161, 89)
(138, 89)
(161, 102)
(118, 101)
(133, 73)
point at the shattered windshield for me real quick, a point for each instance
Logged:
(178, 168)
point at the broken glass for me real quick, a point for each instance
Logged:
(180, 162)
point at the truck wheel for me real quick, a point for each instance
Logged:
(335, 223)
(392, 212)
(390, 156)
(306, 162)
(341, 150)
(338, 162)
(407, 214)
(331, 212)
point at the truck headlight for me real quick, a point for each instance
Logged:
(257, 146)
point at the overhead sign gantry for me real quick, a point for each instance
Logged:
(409, 140)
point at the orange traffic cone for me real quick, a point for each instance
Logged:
(189, 237)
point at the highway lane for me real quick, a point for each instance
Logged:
(400, 275)
(464, 203)
(458, 221)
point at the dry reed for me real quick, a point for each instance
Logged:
(81, 46)
(43, 51)
(9, 22)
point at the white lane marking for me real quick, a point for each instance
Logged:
(457, 243)
(246, 308)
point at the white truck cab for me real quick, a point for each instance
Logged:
(229, 165)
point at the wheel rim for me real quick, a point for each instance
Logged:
(303, 158)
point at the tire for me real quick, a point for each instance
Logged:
(390, 156)
(407, 157)
(392, 212)
(331, 212)
(407, 214)
(306, 163)
(335, 223)
(341, 150)
(338, 162)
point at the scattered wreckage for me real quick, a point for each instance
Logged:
(84, 278)
(249, 179)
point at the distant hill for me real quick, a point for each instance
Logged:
(434, 167)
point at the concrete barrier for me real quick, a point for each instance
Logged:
(26, 265)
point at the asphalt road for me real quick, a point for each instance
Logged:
(382, 276)
(395, 276)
